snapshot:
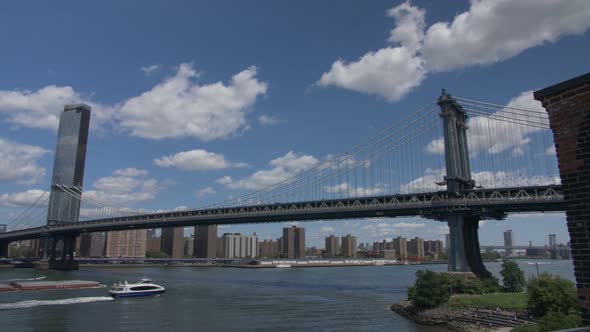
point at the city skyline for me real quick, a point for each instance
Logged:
(132, 162)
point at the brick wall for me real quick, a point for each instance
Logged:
(568, 106)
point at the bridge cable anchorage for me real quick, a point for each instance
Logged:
(340, 158)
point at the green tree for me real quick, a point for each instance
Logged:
(430, 290)
(552, 321)
(551, 293)
(513, 277)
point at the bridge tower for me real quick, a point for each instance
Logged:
(464, 255)
(67, 181)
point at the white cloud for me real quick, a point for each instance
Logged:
(23, 199)
(495, 30)
(408, 225)
(131, 172)
(327, 230)
(196, 160)
(268, 120)
(18, 162)
(347, 188)
(41, 109)
(205, 191)
(488, 32)
(282, 168)
(148, 70)
(178, 107)
(126, 187)
(425, 183)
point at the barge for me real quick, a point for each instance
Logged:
(43, 285)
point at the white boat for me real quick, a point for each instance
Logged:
(144, 287)
(282, 265)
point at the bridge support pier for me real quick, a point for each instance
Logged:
(61, 247)
(464, 255)
(4, 248)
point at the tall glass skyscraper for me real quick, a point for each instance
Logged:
(68, 167)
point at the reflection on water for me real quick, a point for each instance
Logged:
(224, 299)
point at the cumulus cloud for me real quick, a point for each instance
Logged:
(205, 191)
(179, 107)
(488, 32)
(18, 162)
(24, 198)
(148, 70)
(268, 120)
(349, 189)
(281, 169)
(124, 188)
(196, 160)
(176, 107)
(41, 109)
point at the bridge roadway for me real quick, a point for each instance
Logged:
(487, 203)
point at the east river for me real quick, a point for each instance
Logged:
(228, 299)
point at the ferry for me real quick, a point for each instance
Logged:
(144, 287)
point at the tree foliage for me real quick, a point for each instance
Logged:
(552, 321)
(430, 290)
(549, 293)
(513, 277)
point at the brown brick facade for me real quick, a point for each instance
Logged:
(568, 106)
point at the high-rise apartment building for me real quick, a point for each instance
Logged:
(189, 245)
(268, 249)
(416, 247)
(349, 246)
(400, 245)
(93, 244)
(153, 242)
(508, 242)
(332, 246)
(293, 245)
(125, 243)
(236, 245)
(205, 243)
(173, 241)
(552, 241)
(432, 247)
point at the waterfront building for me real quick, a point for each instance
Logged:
(432, 247)
(552, 241)
(188, 246)
(173, 241)
(219, 245)
(400, 245)
(348, 248)
(416, 247)
(293, 242)
(268, 249)
(125, 243)
(508, 242)
(205, 242)
(388, 254)
(236, 245)
(332, 246)
(153, 242)
(92, 244)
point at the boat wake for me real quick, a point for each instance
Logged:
(36, 303)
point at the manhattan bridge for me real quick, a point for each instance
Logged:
(455, 160)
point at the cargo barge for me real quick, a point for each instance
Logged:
(5, 288)
(44, 285)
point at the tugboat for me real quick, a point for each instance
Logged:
(144, 287)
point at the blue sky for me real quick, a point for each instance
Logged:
(185, 94)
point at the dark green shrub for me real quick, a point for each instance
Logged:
(551, 293)
(430, 290)
(513, 277)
